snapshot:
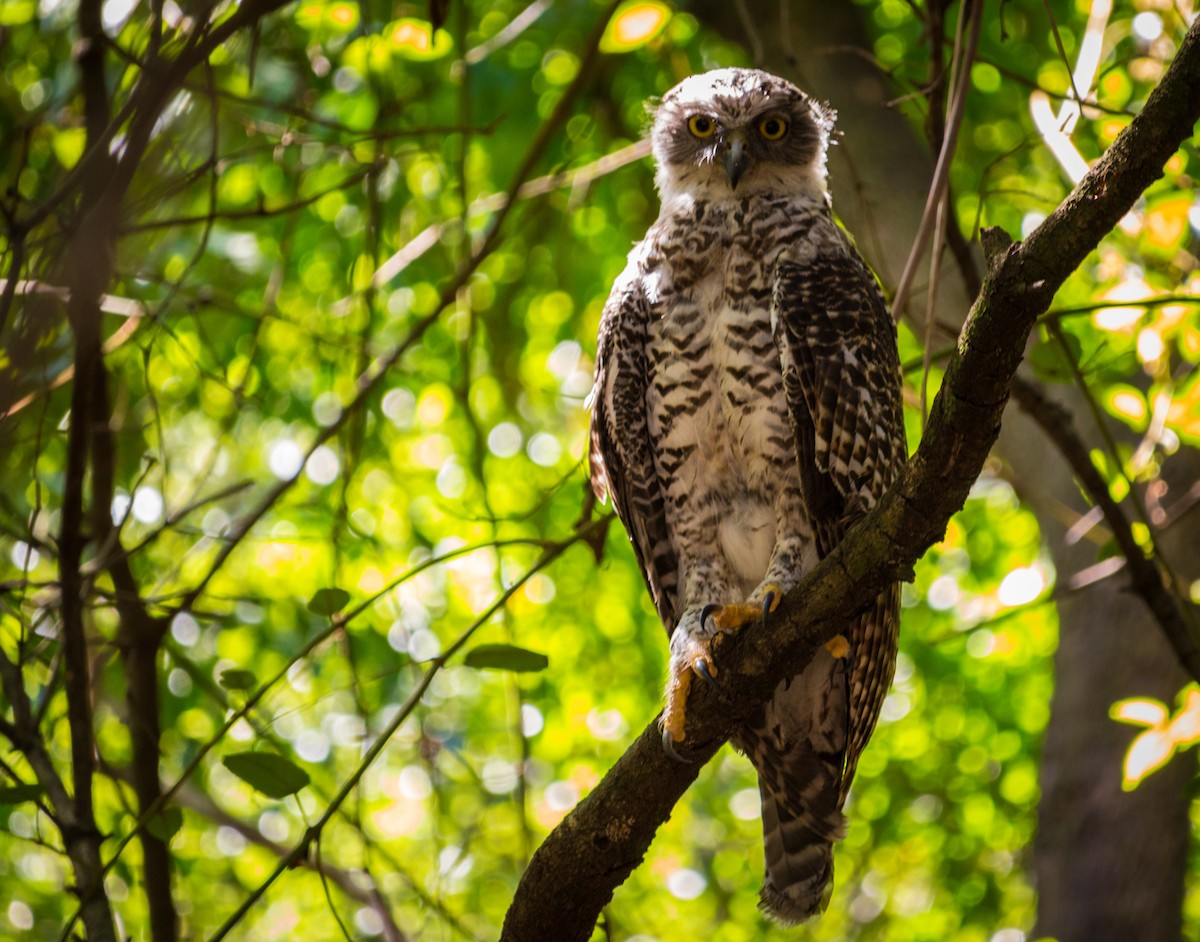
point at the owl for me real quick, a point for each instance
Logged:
(747, 411)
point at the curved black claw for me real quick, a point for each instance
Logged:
(768, 604)
(701, 670)
(669, 748)
(705, 612)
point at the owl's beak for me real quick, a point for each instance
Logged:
(736, 159)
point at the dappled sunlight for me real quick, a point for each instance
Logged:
(348, 333)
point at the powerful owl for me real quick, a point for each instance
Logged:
(747, 412)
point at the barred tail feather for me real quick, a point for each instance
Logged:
(799, 863)
(798, 747)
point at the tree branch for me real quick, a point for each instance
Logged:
(1146, 577)
(89, 263)
(575, 871)
(201, 802)
(23, 734)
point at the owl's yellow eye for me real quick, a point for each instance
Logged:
(701, 125)
(772, 128)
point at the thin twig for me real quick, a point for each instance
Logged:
(516, 26)
(1151, 582)
(313, 834)
(370, 380)
(973, 13)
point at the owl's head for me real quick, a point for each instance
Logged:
(739, 131)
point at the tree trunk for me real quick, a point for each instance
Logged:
(1108, 864)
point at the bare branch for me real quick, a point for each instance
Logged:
(313, 834)
(370, 379)
(1146, 576)
(964, 54)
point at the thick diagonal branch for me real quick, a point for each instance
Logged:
(575, 871)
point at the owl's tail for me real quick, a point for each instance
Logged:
(799, 863)
(798, 749)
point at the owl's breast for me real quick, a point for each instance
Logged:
(718, 386)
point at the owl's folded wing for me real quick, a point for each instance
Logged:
(842, 382)
(621, 454)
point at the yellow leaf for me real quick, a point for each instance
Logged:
(1166, 222)
(1185, 727)
(1189, 342)
(343, 15)
(1139, 712)
(1150, 751)
(338, 17)
(634, 24)
(1128, 403)
(1183, 414)
(68, 145)
(416, 39)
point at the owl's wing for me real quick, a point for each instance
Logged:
(841, 372)
(621, 453)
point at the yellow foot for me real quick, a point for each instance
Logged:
(738, 615)
(733, 617)
(678, 685)
(838, 646)
(695, 656)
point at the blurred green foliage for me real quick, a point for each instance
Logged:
(302, 210)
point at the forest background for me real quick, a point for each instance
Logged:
(308, 624)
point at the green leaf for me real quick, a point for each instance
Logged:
(68, 145)
(16, 794)
(16, 12)
(328, 601)
(166, 823)
(270, 774)
(235, 679)
(506, 657)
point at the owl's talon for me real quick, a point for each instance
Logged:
(772, 596)
(707, 672)
(706, 612)
(669, 748)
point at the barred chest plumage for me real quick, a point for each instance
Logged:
(715, 399)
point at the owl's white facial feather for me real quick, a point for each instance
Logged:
(732, 105)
